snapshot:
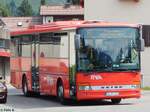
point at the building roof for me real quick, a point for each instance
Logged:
(61, 10)
(20, 23)
(1, 22)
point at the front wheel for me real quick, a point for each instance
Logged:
(116, 101)
(60, 93)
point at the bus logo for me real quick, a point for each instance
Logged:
(96, 77)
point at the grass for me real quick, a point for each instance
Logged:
(147, 88)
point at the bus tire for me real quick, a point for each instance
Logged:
(116, 101)
(25, 87)
(60, 93)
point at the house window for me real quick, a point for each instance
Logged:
(49, 19)
(2, 43)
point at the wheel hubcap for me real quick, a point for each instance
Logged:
(60, 92)
(25, 88)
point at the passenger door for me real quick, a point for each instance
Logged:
(35, 63)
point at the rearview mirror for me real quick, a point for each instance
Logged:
(142, 44)
(77, 41)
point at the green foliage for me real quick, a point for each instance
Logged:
(72, 73)
(147, 88)
(4, 11)
(69, 1)
(13, 8)
(75, 2)
(43, 2)
(25, 9)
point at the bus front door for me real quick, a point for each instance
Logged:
(34, 67)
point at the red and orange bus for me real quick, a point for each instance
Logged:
(82, 60)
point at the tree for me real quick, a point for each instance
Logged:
(25, 9)
(4, 12)
(43, 2)
(75, 2)
(69, 1)
(13, 8)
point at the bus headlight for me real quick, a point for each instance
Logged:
(84, 87)
(135, 86)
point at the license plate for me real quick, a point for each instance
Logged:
(112, 93)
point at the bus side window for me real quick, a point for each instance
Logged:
(42, 54)
(54, 45)
(26, 46)
(26, 50)
(45, 50)
(46, 47)
(14, 47)
(61, 44)
(64, 47)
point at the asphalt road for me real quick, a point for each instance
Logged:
(19, 103)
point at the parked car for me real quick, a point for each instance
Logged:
(3, 91)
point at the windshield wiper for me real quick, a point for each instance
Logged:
(123, 69)
(85, 70)
(101, 69)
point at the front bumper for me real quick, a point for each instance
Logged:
(94, 95)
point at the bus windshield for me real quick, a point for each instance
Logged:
(108, 49)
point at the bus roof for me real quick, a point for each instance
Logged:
(64, 25)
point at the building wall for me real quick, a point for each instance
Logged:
(118, 10)
(4, 61)
(145, 68)
(123, 11)
(12, 23)
(4, 67)
(51, 18)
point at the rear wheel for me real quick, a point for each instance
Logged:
(116, 101)
(60, 93)
(25, 87)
